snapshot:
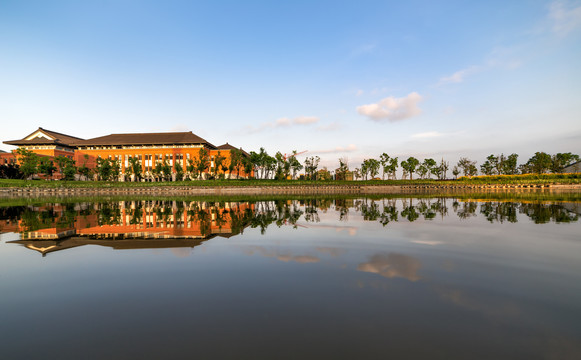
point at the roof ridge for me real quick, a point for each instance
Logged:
(58, 133)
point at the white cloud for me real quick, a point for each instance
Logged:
(459, 75)
(329, 127)
(392, 265)
(429, 134)
(338, 149)
(284, 122)
(393, 109)
(302, 120)
(565, 16)
(433, 134)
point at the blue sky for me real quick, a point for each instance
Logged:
(340, 79)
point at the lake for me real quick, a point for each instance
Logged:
(449, 277)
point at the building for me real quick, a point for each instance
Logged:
(149, 149)
(573, 168)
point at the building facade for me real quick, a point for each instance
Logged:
(147, 149)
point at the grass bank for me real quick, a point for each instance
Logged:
(531, 179)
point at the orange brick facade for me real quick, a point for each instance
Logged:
(149, 148)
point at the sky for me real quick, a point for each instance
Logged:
(340, 79)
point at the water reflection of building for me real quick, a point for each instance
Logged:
(127, 225)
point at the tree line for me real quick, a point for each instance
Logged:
(539, 163)
(279, 167)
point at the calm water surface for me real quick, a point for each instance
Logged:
(397, 278)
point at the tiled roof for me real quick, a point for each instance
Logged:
(166, 138)
(58, 139)
(230, 147)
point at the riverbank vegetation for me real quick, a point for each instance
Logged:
(284, 170)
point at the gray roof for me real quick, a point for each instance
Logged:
(164, 138)
(58, 139)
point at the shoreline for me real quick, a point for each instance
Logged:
(11, 192)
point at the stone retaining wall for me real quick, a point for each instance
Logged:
(273, 190)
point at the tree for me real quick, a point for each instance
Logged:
(66, 167)
(191, 169)
(135, 168)
(203, 161)
(179, 171)
(384, 160)
(218, 161)
(509, 165)
(540, 163)
(46, 166)
(392, 168)
(104, 168)
(28, 161)
(410, 165)
(236, 161)
(467, 166)
(83, 169)
(280, 166)
(248, 166)
(487, 168)
(430, 165)
(115, 169)
(374, 165)
(341, 172)
(269, 165)
(311, 165)
(455, 172)
(295, 165)
(560, 160)
(442, 169)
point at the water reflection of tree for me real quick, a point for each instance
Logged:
(388, 215)
(542, 213)
(467, 210)
(261, 214)
(109, 214)
(311, 213)
(499, 211)
(370, 211)
(36, 219)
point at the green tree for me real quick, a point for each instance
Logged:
(431, 165)
(103, 168)
(28, 161)
(295, 165)
(135, 167)
(280, 166)
(342, 170)
(203, 161)
(455, 172)
(540, 163)
(410, 165)
(422, 170)
(442, 169)
(248, 166)
(218, 162)
(115, 169)
(374, 165)
(191, 169)
(311, 165)
(560, 160)
(236, 161)
(487, 167)
(384, 160)
(392, 168)
(46, 166)
(467, 166)
(83, 169)
(179, 171)
(509, 165)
